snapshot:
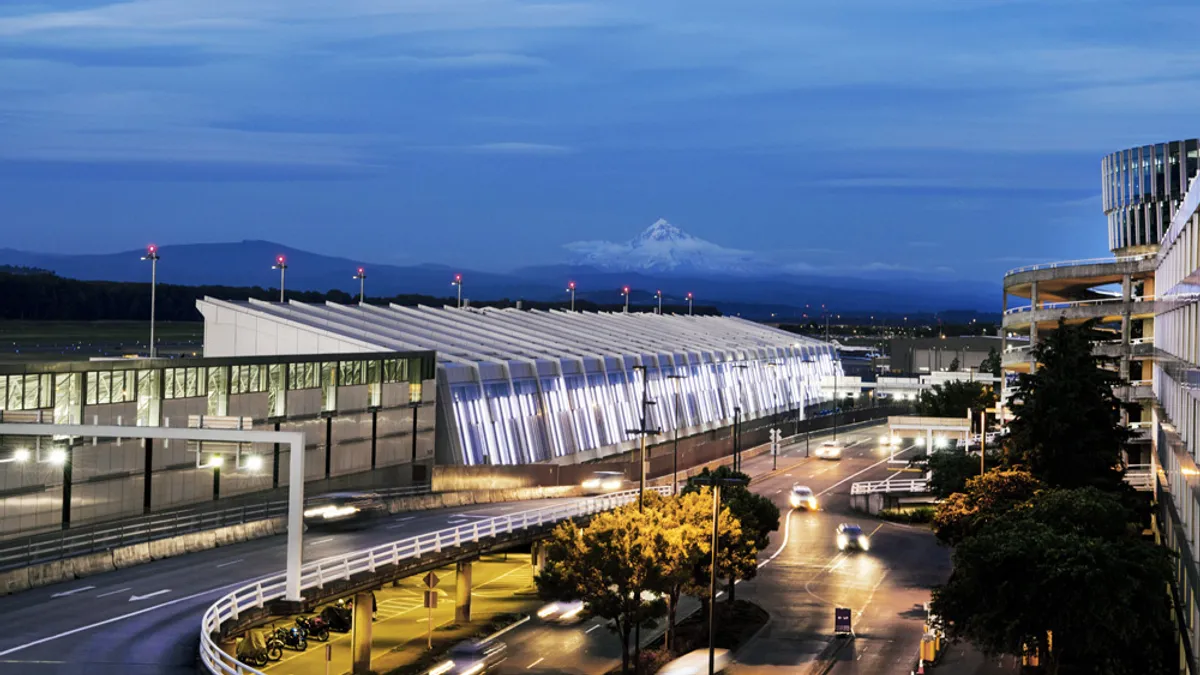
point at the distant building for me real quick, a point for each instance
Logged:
(922, 356)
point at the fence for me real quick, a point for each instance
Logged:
(873, 486)
(72, 543)
(317, 574)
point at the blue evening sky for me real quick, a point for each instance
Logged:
(902, 134)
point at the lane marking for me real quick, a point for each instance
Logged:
(135, 598)
(130, 615)
(234, 562)
(122, 590)
(73, 591)
(320, 541)
(856, 475)
(535, 663)
(787, 530)
(591, 629)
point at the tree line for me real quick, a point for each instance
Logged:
(35, 294)
(1049, 553)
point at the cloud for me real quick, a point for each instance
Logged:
(517, 148)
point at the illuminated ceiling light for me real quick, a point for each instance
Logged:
(21, 455)
(58, 456)
(254, 463)
(216, 461)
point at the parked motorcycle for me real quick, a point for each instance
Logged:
(314, 627)
(257, 651)
(338, 617)
(292, 638)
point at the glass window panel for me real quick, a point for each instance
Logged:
(218, 398)
(148, 397)
(346, 373)
(3, 392)
(169, 389)
(193, 379)
(181, 376)
(414, 391)
(104, 388)
(117, 387)
(46, 391)
(329, 372)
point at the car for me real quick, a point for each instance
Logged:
(852, 536)
(602, 482)
(829, 450)
(343, 509)
(472, 657)
(887, 440)
(563, 612)
(696, 662)
(802, 497)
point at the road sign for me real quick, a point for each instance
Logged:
(431, 599)
(431, 580)
(841, 620)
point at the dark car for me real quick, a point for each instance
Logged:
(852, 536)
(343, 509)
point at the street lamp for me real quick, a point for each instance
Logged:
(625, 292)
(152, 256)
(658, 293)
(362, 285)
(675, 466)
(571, 289)
(643, 432)
(458, 282)
(281, 265)
(689, 299)
(712, 577)
(737, 414)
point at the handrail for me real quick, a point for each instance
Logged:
(1074, 263)
(316, 574)
(67, 544)
(888, 485)
(1075, 303)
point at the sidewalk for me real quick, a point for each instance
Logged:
(964, 659)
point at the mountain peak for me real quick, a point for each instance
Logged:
(662, 230)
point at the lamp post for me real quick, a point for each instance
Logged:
(689, 299)
(281, 265)
(571, 289)
(675, 466)
(712, 577)
(658, 294)
(458, 282)
(362, 285)
(643, 432)
(737, 414)
(152, 256)
(625, 292)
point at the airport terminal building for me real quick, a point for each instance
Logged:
(518, 386)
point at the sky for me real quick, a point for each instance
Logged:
(961, 135)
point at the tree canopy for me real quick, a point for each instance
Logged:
(954, 399)
(757, 515)
(991, 364)
(984, 499)
(1066, 426)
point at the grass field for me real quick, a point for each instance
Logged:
(71, 340)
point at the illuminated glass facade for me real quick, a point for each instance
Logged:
(1142, 187)
(530, 386)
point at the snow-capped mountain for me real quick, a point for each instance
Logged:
(663, 247)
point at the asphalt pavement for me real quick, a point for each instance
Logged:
(145, 620)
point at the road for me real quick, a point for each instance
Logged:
(801, 579)
(145, 620)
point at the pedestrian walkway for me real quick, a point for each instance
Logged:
(964, 659)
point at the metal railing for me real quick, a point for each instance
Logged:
(320, 572)
(1076, 303)
(69, 543)
(1074, 263)
(889, 485)
(1140, 477)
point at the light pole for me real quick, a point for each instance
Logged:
(281, 265)
(643, 432)
(712, 577)
(658, 293)
(458, 282)
(571, 288)
(675, 466)
(737, 414)
(625, 292)
(152, 256)
(362, 285)
(689, 299)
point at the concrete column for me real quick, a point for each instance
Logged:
(1126, 324)
(1033, 330)
(928, 449)
(360, 637)
(462, 593)
(537, 556)
(229, 646)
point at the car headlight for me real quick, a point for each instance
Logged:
(571, 614)
(547, 610)
(812, 502)
(613, 484)
(591, 483)
(441, 668)
(474, 669)
(842, 541)
(920, 441)
(794, 501)
(319, 511)
(864, 543)
(340, 511)
(883, 440)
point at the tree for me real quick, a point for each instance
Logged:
(1063, 576)
(991, 364)
(757, 515)
(950, 469)
(954, 399)
(954, 365)
(1067, 420)
(607, 564)
(985, 499)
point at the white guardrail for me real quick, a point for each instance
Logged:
(1077, 303)
(873, 486)
(316, 574)
(1075, 263)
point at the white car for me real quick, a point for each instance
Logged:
(696, 662)
(563, 612)
(602, 482)
(802, 497)
(829, 450)
(886, 440)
